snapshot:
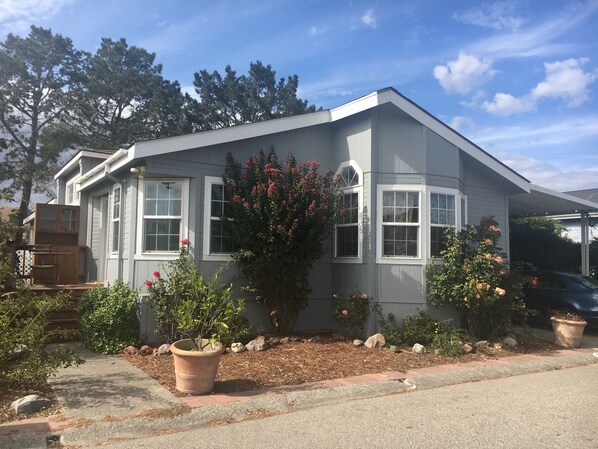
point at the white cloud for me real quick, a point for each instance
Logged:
(17, 15)
(461, 123)
(368, 19)
(566, 80)
(507, 104)
(539, 40)
(497, 15)
(316, 31)
(464, 73)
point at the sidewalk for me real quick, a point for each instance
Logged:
(107, 398)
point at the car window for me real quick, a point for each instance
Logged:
(550, 281)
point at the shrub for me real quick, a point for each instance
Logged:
(108, 318)
(475, 279)
(188, 304)
(449, 340)
(279, 217)
(25, 356)
(352, 313)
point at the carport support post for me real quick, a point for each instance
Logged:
(585, 243)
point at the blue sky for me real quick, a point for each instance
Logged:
(519, 78)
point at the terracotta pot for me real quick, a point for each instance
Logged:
(195, 371)
(567, 333)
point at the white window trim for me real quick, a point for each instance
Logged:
(113, 220)
(76, 194)
(207, 221)
(422, 224)
(184, 232)
(458, 225)
(359, 190)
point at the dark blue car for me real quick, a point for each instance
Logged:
(566, 291)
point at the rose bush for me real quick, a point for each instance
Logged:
(352, 313)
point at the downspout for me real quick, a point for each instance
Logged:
(123, 184)
(585, 244)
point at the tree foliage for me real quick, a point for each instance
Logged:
(233, 100)
(280, 216)
(39, 76)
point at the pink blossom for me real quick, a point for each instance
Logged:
(364, 296)
(345, 312)
(488, 241)
(479, 286)
(148, 283)
(500, 291)
(184, 242)
(156, 274)
(499, 259)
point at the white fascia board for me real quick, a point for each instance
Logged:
(97, 173)
(225, 135)
(579, 203)
(354, 107)
(75, 160)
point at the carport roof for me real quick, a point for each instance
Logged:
(543, 201)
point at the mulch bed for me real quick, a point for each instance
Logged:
(295, 363)
(9, 395)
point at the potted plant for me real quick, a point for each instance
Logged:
(568, 328)
(199, 308)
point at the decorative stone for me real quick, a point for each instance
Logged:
(164, 349)
(375, 341)
(146, 350)
(30, 404)
(315, 339)
(510, 341)
(274, 341)
(395, 349)
(497, 345)
(237, 347)
(130, 350)
(357, 342)
(296, 339)
(419, 349)
(467, 348)
(482, 344)
(284, 340)
(258, 344)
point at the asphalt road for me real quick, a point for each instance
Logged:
(554, 409)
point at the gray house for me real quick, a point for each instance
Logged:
(406, 175)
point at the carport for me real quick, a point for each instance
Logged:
(541, 201)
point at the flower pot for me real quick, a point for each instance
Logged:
(195, 371)
(567, 333)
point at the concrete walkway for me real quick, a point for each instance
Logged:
(107, 398)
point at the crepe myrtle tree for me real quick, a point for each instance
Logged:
(279, 217)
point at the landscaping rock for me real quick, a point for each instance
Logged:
(30, 404)
(419, 349)
(258, 344)
(130, 350)
(357, 342)
(395, 349)
(375, 341)
(164, 349)
(497, 345)
(510, 341)
(274, 341)
(467, 348)
(296, 339)
(316, 339)
(284, 340)
(482, 344)
(237, 347)
(146, 350)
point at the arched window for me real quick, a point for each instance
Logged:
(347, 238)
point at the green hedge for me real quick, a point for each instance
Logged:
(108, 318)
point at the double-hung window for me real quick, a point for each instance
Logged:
(346, 230)
(442, 215)
(115, 219)
(162, 215)
(400, 223)
(216, 207)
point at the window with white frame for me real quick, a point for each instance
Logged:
(162, 215)
(71, 196)
(442, 215)
(347, 224)
(216, 210)
(400, 223)
(115, 218)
